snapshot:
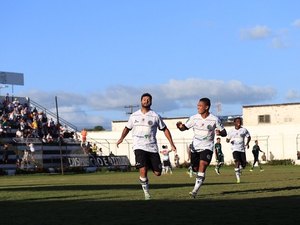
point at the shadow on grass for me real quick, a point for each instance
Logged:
(17, 188)
(273, 211)
(260, 190)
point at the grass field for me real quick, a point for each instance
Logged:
(269, 197)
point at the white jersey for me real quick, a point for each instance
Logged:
(237, 139)
(144, 128)
(204, 131)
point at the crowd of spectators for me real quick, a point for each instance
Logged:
(25, 121)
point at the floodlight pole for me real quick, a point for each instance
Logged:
(59, 138)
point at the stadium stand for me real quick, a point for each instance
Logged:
(31, 140)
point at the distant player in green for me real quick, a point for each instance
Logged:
(219, 155)
(255, 152)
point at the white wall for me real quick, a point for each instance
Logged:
(281, 140)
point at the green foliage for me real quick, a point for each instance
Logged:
(277, 162)
(185, 164)
(97, 128)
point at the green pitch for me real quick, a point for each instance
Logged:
(269, 197)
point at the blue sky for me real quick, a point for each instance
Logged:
(99, 56)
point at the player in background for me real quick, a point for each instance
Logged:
(144, 124)
(166, 166)
(205, 126)
(236, 137)
(255, 151)
(190, 171)
(219, 155)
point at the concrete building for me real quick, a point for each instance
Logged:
(276, 127)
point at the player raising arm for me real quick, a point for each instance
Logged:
(205, 126)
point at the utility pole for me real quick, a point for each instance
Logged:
(59, 138)
(219, 108)
(130, 107)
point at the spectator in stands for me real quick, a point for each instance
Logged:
(34, 127)
(5, 125)
(31, 149)
(25, 158)
(49, 138)
(16, 102)
(22, 125)
(88, 148)
(19, 134)
(94, 149)
(1, 130)
(51, 127)
(99, 152)
(44, 125)
(5, 154)
(83, 136)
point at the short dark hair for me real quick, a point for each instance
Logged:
(238, 118)
(206, 101)
(146, 95)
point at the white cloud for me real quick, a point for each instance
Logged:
(278, 43)
(254, 33)
(296, 23)
(293, 95)
(174, 95)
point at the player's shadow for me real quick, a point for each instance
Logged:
(273, 210)
(261, 190)
(17, 188)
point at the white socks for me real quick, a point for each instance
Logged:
(145, 184)
(199, 181)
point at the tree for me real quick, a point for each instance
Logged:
(98, 128)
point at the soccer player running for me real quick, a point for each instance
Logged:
(236, 137)
(205, 126)
(144, 124)
(219, 156)
(166, 166)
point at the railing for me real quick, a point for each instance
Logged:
(53, 115)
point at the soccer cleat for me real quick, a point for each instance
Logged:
(193, 194)
(251, 170)
(238, 180)
(261, 170)
(147, 196)
(217, 171)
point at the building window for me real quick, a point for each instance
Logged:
(264, 119)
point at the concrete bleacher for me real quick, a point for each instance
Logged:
(63, 151)
(46, 155)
